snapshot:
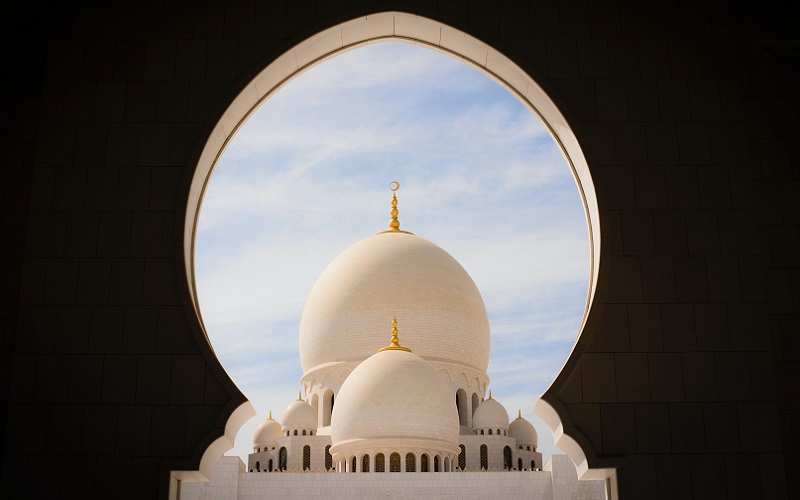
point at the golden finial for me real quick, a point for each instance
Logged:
(298, 396)
(490, 394)
(395, 345)
(519, 414)
(270, 415)
(394, 224)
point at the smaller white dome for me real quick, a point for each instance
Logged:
(394, 399)
(523, 431)
(299, 416)
(267, 432)
(490, 414)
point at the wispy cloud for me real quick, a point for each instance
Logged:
(307, 177)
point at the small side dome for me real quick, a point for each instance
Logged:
(267, 432)
(490, 415)
(523, 431)
(394, 399)
(299, 416)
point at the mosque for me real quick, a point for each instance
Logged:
(394, 345)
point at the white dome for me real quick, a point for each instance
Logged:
(442, 312)
(267, 432)
(299, 415)
(490, 414)
(523, 431)
(394, 398)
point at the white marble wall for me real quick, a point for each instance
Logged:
(559, 482)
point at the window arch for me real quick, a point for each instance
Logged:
(481, 432)
(327, 407)
(354, 464)
(304, 432)
(411, 462)
(519, 464)
(446, 464)
(436, 463)
(461, 406)
(365, 463)
(269, 467)
(380, 463)
(484, 457)
(295, 432)
(424, 463)
(394, 462)
(533, 464)
(306, 457)
(475, 402)
(328, 458)
(507, 457)
(282, 458)
(490, 432)
(258, 466)
(462, 457)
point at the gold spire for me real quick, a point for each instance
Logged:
(298, 396)
(394, 224)
(270, 415)
(490, 394)
(395, 345)
(519, 414)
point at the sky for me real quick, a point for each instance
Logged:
(308, 175)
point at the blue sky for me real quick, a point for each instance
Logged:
(308, 175)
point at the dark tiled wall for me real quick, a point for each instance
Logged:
(687, 113)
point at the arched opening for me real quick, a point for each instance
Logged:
(447, 464)
(475, 402)
(306, 457)
(327, 407)
(258, 466)
(282, 458)
(533, 464)
(447, 40)
(380, 463)
(519, 464)
(484, 457)
(269, 465)
(411, 462)
(490, 432)
(328, 458)
(394, 462)
(353, 465)
(507, 458)
(424, 463)
(462, 457)
(461, 404)
(365, 463)
(436, 463)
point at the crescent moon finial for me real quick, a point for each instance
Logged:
(394, 224)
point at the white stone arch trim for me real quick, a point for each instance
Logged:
(435, 35)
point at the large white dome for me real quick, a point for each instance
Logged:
(394, 399)
(394, 273)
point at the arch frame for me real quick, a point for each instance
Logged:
(466, 46)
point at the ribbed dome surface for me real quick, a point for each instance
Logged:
(299, 415)
(490, 413)
(523, 431)
(267, 433)
(395, 396)
(442, 312)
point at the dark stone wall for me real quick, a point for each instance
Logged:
(687, 378)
